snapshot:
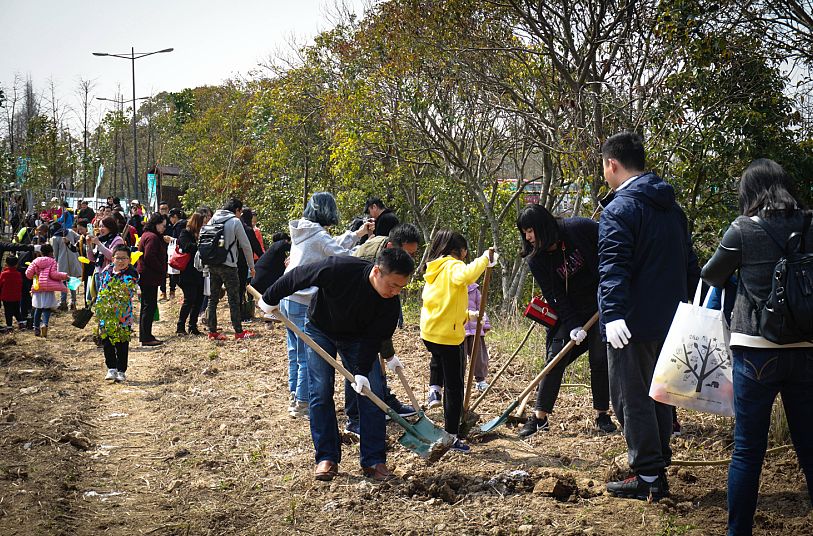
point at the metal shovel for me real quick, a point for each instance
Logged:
(499, 421)
(423, 438)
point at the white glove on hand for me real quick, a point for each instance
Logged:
(578, 335)
(268, 308)
(494, 257)
(360, 383)
(473, 314)
(618, 335)
(393, 363)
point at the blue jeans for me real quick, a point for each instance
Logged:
(41, 316)
(324, 426)
(759, 375)
(297, 350)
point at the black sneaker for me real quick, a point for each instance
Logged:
(404, 410)
(353, 428)
(675, 428)
(605, 423)
(533, 425)
(635, 487)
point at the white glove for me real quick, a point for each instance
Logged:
(578, 335)
(268, 308)
(494, 257)
(618, 335)
(360, 383)
(393, 363)
(473, 314)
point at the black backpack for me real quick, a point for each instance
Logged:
(787, 315)
(212, 243)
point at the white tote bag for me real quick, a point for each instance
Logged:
(170, 253)
(694, 367)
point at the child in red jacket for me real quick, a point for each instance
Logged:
(49, 280)
(11, 291)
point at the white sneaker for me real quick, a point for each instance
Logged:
(482, 385)
(120, 377)
(300, 409)
(292, 401)
(111, 374)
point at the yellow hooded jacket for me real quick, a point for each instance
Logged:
(445, 298)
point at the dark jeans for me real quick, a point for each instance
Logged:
(599, 381)
(12, 310)
(149, 304)
(174, 281)
(41, 316)
(324, 426)
(351, 404)
(451, 360)
(224, 275)
(647, 424)
(115, 355)
(192, 301)
(759, 375)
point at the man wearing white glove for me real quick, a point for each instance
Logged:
(356, 308)
(646, 266)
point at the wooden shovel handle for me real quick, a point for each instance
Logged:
(408, 389)
(475, 347)
(505, 366)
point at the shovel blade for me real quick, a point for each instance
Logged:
(499, 421)
(426, 439)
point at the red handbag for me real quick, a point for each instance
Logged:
(179, 260)
(540, 311)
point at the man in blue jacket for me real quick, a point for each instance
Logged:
(646, 267)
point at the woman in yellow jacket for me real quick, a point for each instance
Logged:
(443, 319)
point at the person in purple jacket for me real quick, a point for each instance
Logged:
(480, 361)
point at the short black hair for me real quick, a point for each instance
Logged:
(233, 205)
(176, 212)
(373, 201)
(121, 247)
(47, 249)
(404, 233)
(627, 148)
(247, 216)
(116, 201)
(395, 261)
(81, 222)
(11, 261)
(276, 237)
(163, 203)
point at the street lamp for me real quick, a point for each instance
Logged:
(132, 57)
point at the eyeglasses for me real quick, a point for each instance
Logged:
(121, 259)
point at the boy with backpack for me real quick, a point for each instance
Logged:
(217, 249)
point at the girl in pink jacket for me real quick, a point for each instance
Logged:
(49, 280)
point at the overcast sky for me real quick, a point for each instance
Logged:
(213, 40)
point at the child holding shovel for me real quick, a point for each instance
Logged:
(443, 318)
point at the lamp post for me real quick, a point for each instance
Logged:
(132, 57)
(119, 101)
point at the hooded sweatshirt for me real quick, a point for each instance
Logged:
(310, 243)
(234, 236)
(446, 297)
(646, 261)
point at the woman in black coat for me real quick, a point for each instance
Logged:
(190, 279)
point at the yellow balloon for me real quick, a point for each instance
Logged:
(137, 239)
(84, 260)
(134, 256)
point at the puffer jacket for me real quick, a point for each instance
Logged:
(50, 278)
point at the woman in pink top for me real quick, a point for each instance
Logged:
(49, 280)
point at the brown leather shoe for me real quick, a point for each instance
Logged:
(326, 470)
(378, 472)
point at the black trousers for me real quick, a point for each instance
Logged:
(599, 380)
(174, 281)
(192, 302)
(647, 424)
(12, 310)
(25, 303)
(149, 304)
(115, 355)
(451, 361)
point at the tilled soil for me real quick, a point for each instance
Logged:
(198, 441)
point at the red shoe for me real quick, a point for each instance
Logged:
(217, 337)
(245, 335)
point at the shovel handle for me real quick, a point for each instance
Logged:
(475, 347)
(321, 351)
(502, 369)
(410, 393)
(555, 361)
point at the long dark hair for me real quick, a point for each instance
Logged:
(446, 242)
(545, 226)
(766, 186)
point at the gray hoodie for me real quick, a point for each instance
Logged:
(310, 242)
(233, 235)
(67, 260)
